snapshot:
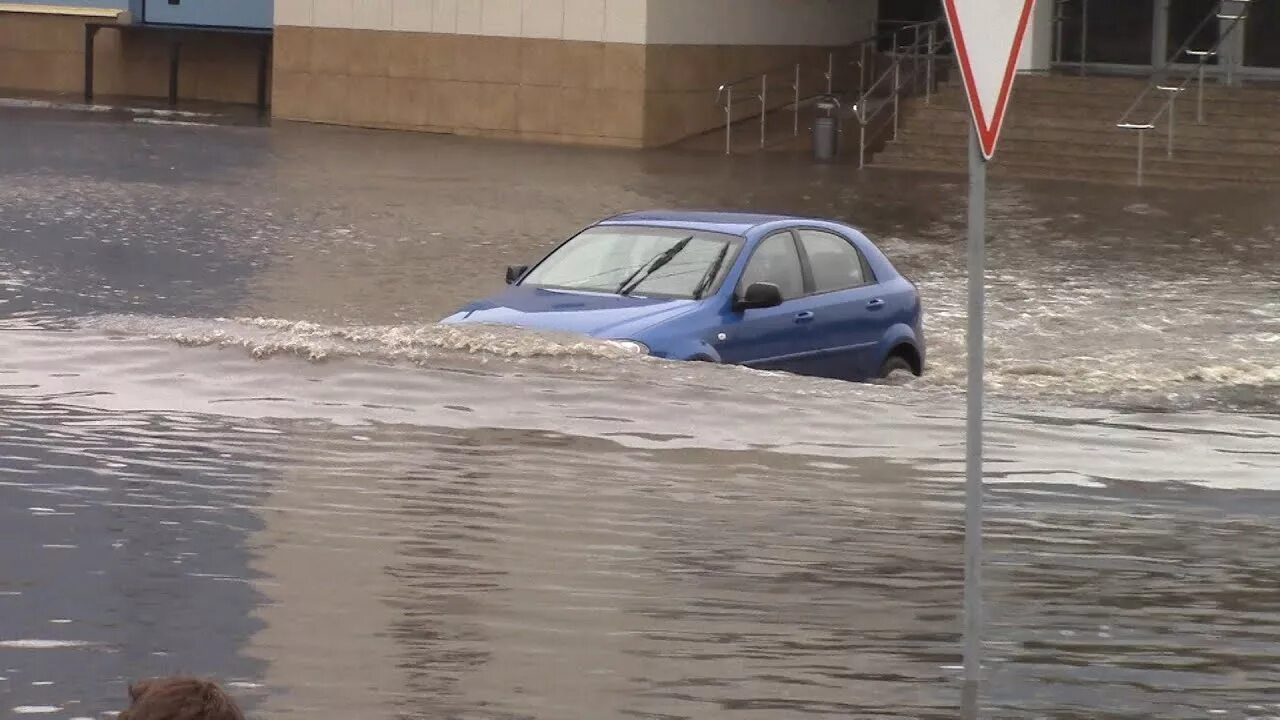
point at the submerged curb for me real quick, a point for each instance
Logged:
(137, 112)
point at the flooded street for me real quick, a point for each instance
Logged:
(234, 442)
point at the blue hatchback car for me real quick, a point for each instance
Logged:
(793, 294)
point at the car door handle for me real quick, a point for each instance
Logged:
(875, 304)
(804, 317)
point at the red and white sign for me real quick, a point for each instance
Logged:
(987, 35)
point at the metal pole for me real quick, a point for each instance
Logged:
(1200, 95)
(264, 68)
(1084, 32)
(1142, 134)
(795, 129)
(862, 143)
(915, 62)
(897, 71)
(973, 431)
(928, 68)
(831, 67)
(862, 67)
(175, 50)
(1231, 64)
(90, 32)
(764, 106)
(728, 122)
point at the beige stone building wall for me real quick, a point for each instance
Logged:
(626, 73)
(42, 51)
(571, 71)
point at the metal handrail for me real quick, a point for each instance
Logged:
(796, 72)
(725, 95)
(1159, 82)
(912, 53)
(869, 39)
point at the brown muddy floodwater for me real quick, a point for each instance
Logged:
(233, 442)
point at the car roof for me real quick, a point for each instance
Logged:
(732, 223)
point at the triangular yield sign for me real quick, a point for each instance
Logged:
(987, 35)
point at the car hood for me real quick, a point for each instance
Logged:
(594, 314)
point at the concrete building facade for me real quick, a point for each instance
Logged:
(629, 73)
(624, 73)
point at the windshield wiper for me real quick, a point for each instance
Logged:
(711, 273)
(643, 272)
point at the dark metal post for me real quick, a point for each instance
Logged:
(1142, 136)
(90, 32)
(928, 80)
(1084, 33)
(915, 62)
(174, 51)
(264, 64)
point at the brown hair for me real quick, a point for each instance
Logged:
(180, 698)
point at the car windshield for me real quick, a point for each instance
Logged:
(637, 260)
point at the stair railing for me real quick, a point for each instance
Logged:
(1163, 81)
(846, 72)
(893, 84)
(754, 92)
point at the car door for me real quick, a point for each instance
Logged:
(848, 308)
(776, 338)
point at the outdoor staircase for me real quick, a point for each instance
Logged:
(1064, 127)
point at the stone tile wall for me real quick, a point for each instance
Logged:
(538, 89)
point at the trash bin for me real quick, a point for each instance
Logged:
(825, 138)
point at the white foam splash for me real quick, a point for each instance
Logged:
(35, 644)
(36, 709)
(266, 337)
(164, 121)
(1242, 373)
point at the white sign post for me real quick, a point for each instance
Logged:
(987, 36)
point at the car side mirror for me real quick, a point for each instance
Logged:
(759, 295)
(515, 272)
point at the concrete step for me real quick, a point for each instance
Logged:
(1245, 99)
(1070, 154)
(1237, 114)
(1100, 93)
(1043, 171)
(1117, 89)
(1064, 127)
(1068, 162)
(1089, 138)
(933, 116)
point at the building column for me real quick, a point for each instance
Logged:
(1037, 45)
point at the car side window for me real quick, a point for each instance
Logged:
(836, 264)
(776, 261)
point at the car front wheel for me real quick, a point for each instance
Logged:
(893, 364)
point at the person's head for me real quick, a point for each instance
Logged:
(179, 698)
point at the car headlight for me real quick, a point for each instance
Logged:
(631, 346)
